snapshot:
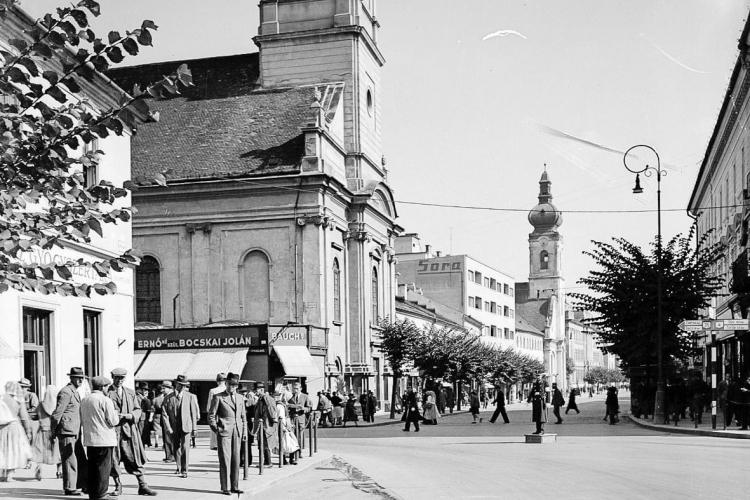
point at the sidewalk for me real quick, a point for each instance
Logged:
(203, 480)
(687, 427)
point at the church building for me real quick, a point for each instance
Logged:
(271, 250)
(540, 302)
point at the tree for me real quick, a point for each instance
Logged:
(398, 341)
(570, 366)
(623, 293)
(47, 130)
(597, 375)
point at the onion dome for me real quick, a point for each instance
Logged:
(545, 216)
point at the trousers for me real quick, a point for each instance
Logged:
(168, 444)
(500, 410)
(229, 460)
(71, 456)
(556, 412)
(99, 465)
(130, 467)
(181, 441)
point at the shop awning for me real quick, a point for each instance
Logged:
(297, 361)
(166, 365)
(206, 364)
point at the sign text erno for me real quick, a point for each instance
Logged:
(202, 338)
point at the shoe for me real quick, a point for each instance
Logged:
(38, 473)
(145, 491)
(405, 430)
(239, 492)
(537, 432)
(73, 493)
(226, 492)
(118, 489)
(183, 475)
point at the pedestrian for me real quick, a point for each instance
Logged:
(181, 408)
(99, 420)
(441, 398)
(698, 395)
(129, 448)
(557, 402)
(31, 400)
(299, 407)
(147, 411)
(288, 445)
(350, 411)
(338, 408)
(411, 411)
(364, 406)
(538, 407)
(745, 403)
(372, 405)
(500, 408)
(612, 405)
(220, 387)
(165, 389)
(450, 398)
(572, 405)
(15, 431)
(44, 447)
(430, 414)
(228, 422)
(65, 425)
(324, 409)
(264, 421)
(723, 400)
(474, 404)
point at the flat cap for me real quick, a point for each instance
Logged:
(119, 372)
(167, 383)
(24, 382)
(100, 381)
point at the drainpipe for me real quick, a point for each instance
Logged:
(174, 311)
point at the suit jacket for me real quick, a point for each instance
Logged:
(299, 406)
(226, 414)
(66, 419)
(181, 415)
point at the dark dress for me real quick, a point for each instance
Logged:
(572, 405)
(613, 405)
(350, 411)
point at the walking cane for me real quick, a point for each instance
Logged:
(315, 434)
(281, 445)
(310, 430)
(261, 456)
(246, 449)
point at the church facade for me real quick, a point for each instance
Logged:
(540, 302)
(278, 223)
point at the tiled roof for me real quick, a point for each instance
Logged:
(411, 307)
(524, 326)
(534, 312)
(224, 126)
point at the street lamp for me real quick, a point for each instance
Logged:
(648, 171)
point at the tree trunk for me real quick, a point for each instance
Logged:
(394, 392)
(457, 395)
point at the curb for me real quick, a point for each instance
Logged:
(686, 430)
(395, 421)
(304, 465)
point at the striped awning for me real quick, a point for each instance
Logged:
(196, 365)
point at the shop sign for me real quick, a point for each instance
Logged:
(252, 337)
(288, 335)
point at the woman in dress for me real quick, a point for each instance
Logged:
(338, 409)
(289, 445)
(15, 431)
(430, 409)
(572, 405)
(43, 447)
(474, 407)
(612, 404)
(350, 411)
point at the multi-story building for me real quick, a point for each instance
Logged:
(719, 203)
(462, 284)
(44, 335)
(278, 224)
(576, 333)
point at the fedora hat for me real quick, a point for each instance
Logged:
(233, 379)
(24, 382)
(167, 384)
(182, 380)
(76, 371)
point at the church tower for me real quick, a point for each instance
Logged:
(545, 245)
(310, 42)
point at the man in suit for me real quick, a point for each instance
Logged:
(182, 413)
(264, 421)
(220, 387)
(500, 409)
(227, 419)
(129, 449)
(300, 407)
(65, 425)
(159, 416)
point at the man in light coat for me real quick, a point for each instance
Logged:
(98, 421)
(65, 425)
(129, 449)
(220, 387)
(182, 413)
(300, 407)
(228, 421)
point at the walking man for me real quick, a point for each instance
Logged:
(572, 405)
(98, 421)
(411, 410)
(300, 406)
(227, 419)
(220, 387)
(65, 425)
(264, 421)
(129, 449)
(557, 401)
(500, 409)
(538, 407)
(372, 405)
(159, 417)
(181, 408)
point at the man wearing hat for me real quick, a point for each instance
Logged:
(65, 425)
(164, 389)
(227, 419)
(31, 399)
(265, 421)
(98, 422)
(220, 387)
(182, 413)
(129, 449)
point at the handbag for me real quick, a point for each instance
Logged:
(289, 442)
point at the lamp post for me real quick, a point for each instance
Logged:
(648, 171)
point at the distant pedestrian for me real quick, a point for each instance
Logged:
(500, 408)
(44, 447)
(364, 404)
(441, 398)
(557, 402)
(65, 425)
(572, 405)
(723, 389)
(160, 415)
(411, 411)
(430, 414)
(698, 395)
(324, 409)
(372, 405)
(350, 411)
(98, 421)
(613, 405)
(147, 412)
(264, 422)
(450, 398)
(538, 407)
(31, 400)
(15, 431)
(220, 387)
(338, 408)
(474, 407)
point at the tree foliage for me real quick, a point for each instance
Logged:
(48, 129)
(624, 295)
(603, 376)
(399, 338)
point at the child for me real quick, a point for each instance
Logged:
(474, 407)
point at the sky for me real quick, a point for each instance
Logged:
(467, 120)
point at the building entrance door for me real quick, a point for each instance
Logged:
(36, 353)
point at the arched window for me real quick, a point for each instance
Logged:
(375, 295)
(256, 287)
(544, 260)
(336, 291)
(148, 291)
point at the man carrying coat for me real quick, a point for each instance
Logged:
(228, 421)
(65, 425)
(129, 449)
(182, 413)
